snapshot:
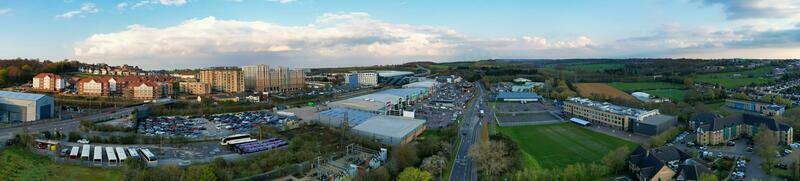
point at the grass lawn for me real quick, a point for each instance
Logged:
(672, 94)
(559, 145)
(757, 76)
(637, 86)
(18, 164)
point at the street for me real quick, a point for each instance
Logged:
(464, 168)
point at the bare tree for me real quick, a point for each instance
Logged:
(493, 157)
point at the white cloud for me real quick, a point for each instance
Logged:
(5, 11)
(122, 5)
(156, 2)
(746, 9)
(172, 2)
(282, 1)
(85, 8)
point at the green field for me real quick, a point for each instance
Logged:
(671, 94)
(18, 164)
(757, 76)
(559, 145)
(638, 86)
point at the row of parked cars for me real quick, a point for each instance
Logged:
(246, 121)
(738, 171)
(172, 126)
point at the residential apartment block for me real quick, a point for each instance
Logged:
(196, 88)
(262, 78)
(648, 122)
(48, 82)
(757, 107)
(362, 78)
(223, 79)
(665, 163)
(721, 130)
(134, 87)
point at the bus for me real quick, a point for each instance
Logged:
(148, 156)
(85, 152)
(121, 155)
(134, 153)
(73, 154)
(236, 139)
(98, 155)
(112, 156)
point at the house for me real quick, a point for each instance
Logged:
(665, 163)
(48, 82)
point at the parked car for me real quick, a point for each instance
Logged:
(83, 141)
(64, 152)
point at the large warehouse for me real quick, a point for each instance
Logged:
(390, 130)
(381, 102)
(23, 107)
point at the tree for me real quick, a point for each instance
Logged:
(794, 166)
(688, 82)
(434, 164)
(200, 173)
(403, 156)
(414, 174)
(379, 173)
(765, 144)
(74, 136)
(615, 160)
(493, 157)
(708, 177)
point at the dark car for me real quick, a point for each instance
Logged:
(64, 152)
(781, 166)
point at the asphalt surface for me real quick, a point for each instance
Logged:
(464, 167)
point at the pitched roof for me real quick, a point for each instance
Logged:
(43, 75)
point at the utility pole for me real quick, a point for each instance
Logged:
(345, 128)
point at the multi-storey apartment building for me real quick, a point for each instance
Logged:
(197, 88)
(48, 82)
(648, 122)
(722, 130)
(224, 79)
(262, 78)
(143, 90)
(92, 86)
(757, 107)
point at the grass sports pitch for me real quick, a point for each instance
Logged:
(559, 145)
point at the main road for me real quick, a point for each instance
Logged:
(464, 167)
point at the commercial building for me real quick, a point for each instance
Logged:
(262, 78)
(391, 77)
(48, 82)
(196, 88)
(757, 107)
(223, 79)
(522, 97)
(384, 102)
(390, 130)
(722, 130)
(336, 117)
(362, 79)
(23, 107)
(618, 117)
(526, 87)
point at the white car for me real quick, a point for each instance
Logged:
(83, 141)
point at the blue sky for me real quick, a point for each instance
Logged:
(166, 34)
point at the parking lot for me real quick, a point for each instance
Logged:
(444, 106)
(213, 126)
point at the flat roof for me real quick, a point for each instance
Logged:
(391, 126)
(518, 95)
(608, 107)
(404, 92)
(657, 119)
(392, 73)
(21, 95)
(355, 117)
(423, 84)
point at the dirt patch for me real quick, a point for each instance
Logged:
(601, 91)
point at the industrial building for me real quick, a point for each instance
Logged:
(23, 107)
(522, 97)
(619, 117)
(390, 130)
(391, 77)
(335, 117)
(526, 87)
(757, 107)
(383, 102)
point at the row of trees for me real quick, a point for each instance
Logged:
(18, 71)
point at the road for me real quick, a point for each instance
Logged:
(464, 167)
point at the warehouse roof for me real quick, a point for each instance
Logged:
(359, 104)
(354, 117)
(391, 126)
(21, 95)
(658, 119)
(392, 73)
(404, 92)
(518, 95)
(423, 84)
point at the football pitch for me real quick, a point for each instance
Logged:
(559, 145)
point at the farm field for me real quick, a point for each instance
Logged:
(757, 76)
(638, 86)
(589, 90)
(18, 164)
(559, 145)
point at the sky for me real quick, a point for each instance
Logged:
(173, 34)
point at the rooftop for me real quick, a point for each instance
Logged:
(404, 92)
(608, 107)
(391, 126)
(354, 117)
(518, 95)
(392, 73)
(21, 95)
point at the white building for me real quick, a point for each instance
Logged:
(23, 107)
(364, 78)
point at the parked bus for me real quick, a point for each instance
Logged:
(236, 139)
(98, 155)
(85, 152)
(134, 153)
(73, 154)
(148, 156)
(121, 155)
(112, 156)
